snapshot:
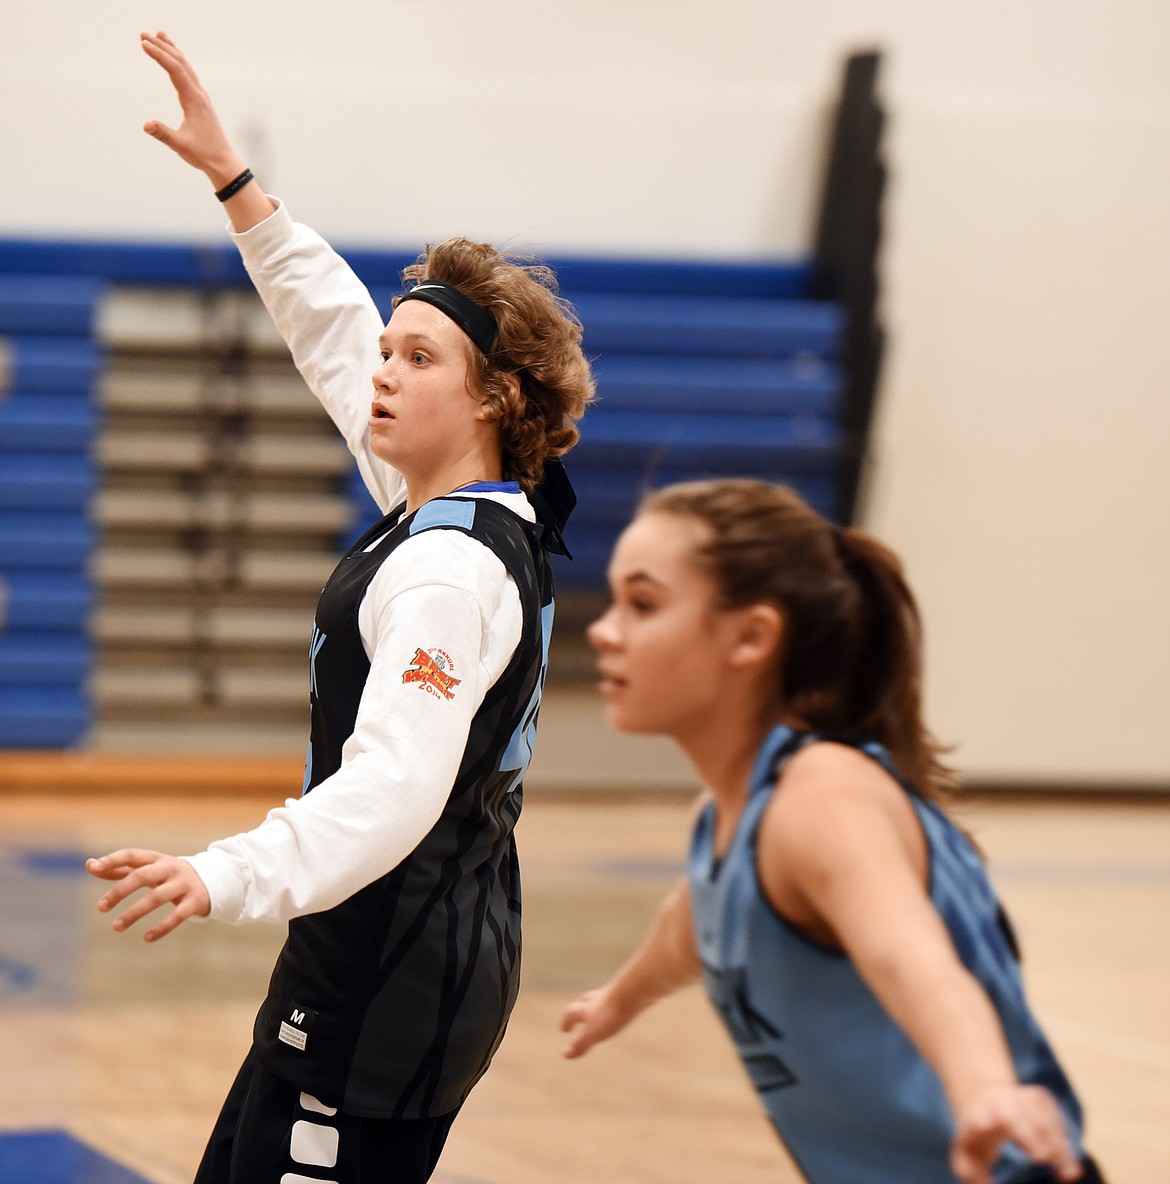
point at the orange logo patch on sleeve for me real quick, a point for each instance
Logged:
(431, 672)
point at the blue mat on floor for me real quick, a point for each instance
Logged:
(53, 1157)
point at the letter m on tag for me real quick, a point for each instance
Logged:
(295, 1030)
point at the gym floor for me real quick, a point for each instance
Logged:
(127, 1049)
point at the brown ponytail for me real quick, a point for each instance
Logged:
(852, 656)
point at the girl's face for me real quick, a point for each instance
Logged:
(666, 651)
(427, 409)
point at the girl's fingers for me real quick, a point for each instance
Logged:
(131, 869)
(141, 908)
(126, 857)
(578, 1020)
(1027, 1117)
(575, 1045)
(106, 868)
(168, 891)
(972, 1157)
(126, 886)
(113, 872)
(170, 923)
(1051, 1146)
(180, 73)
(159, 131)
(576, 1014)
(166, 49)
(580, 1043)
(177, 53)
(161, 52)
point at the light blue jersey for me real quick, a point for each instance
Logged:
(851, 1097)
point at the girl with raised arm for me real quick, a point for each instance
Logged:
(396, 869)
(844, 927)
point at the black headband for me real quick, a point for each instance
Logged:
(472, 318)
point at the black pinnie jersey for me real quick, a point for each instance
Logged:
(392, 1003)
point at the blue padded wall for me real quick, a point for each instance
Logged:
(50, 369)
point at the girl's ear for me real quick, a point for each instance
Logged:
(488, 412)
(758, 631)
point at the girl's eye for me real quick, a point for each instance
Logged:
(641, 607)
(419, 359)
(385, 355)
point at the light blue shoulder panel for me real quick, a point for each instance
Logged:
(444, 512)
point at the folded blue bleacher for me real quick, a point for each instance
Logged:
(49, 424)
(55, 305)
(32, 659)
(53, 365)
(709, 326)
(43, 717)
(50, 365)
(40, 602)
(35, 480)
(45, 542)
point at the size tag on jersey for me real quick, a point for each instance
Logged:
(296, 1026)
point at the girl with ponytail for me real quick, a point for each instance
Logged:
(843, 926)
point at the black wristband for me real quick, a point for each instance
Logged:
(234, 187)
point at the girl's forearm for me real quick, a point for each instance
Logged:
(665, 961)
(950, 1019)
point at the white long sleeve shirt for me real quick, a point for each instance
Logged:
(438, 590)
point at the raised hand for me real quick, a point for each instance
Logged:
(1025, 1115)
(169, 880)
(200, 139)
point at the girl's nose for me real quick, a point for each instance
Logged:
(601, 633)
(384, 376)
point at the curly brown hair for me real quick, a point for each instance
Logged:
(538, 340)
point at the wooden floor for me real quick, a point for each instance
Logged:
(130, 1048)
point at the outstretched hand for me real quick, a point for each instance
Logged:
(1026, 1115)
(591, 1018)
(170, 880)
(200, 139)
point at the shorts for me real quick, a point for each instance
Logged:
(269, 1132)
